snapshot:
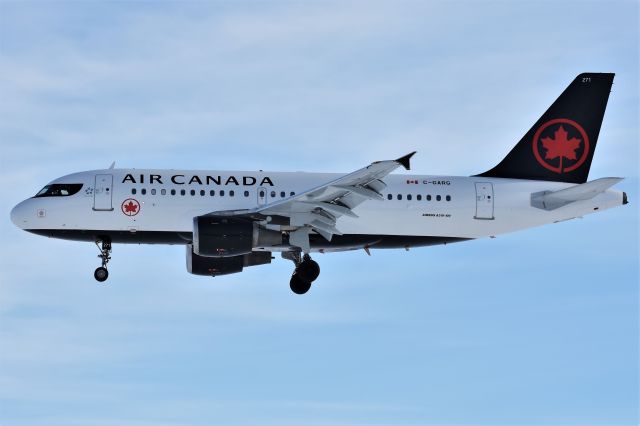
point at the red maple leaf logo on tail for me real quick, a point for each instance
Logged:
(557, 145)
(560, 145)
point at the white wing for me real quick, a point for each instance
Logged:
(318, 209)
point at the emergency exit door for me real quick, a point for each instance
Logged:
(102, 193)
(262, 196)
(484, 201)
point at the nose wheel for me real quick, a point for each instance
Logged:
(306, 272)
(101, 273)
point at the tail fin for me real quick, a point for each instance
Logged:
(560, 146)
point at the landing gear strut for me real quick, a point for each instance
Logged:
(307, 271)
(101, 274)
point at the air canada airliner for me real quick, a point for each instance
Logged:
(229, 220)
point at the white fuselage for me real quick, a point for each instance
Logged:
(139, 202)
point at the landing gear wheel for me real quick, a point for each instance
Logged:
(298, 286)
(308, 270)
(101, 274)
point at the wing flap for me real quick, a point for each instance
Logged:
(334, 209)
(363, 191)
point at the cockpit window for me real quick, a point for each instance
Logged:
(59, 190)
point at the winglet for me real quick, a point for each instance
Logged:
(404, 161)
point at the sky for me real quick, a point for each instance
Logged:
(538, 327)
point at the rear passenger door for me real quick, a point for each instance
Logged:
(484, 201)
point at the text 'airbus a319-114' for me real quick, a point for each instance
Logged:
(229, 220)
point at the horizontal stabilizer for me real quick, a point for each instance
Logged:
(551, 200)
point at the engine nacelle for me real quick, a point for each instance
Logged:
(213, 266)
(221, 236)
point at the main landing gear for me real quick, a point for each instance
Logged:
(101, 274)
(307, 271)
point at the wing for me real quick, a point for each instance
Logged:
(318, 209)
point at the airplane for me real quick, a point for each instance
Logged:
(229, 220)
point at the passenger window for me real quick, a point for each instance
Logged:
(232, 193)
(183, 192)
(212, 192)
(193, 192)
(399, 196)
(143, 191)
(153, 191)
(448, 197)
(282, 194)
(292, 193)
(438, 198)
(133, 191)
(409, 197)
(273, 194)
(221, 192)
(389, 197)
(202, 192)
(428, 197)
(419, 197)
(173, 192)
(246, 193)
(163, 191)
(261, 194)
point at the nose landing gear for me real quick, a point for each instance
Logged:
(101, 273)
(307, 271)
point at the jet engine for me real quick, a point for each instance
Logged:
(221, 236)
(213, 266)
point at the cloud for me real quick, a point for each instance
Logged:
(303, 79)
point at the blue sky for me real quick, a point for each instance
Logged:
(536, 327)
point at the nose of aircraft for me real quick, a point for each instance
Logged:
(18, 216)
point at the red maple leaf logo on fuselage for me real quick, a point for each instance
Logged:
(130, 208)
(561, 146)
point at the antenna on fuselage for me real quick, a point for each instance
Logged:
(112, 165)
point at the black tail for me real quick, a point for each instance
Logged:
(560, 146)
